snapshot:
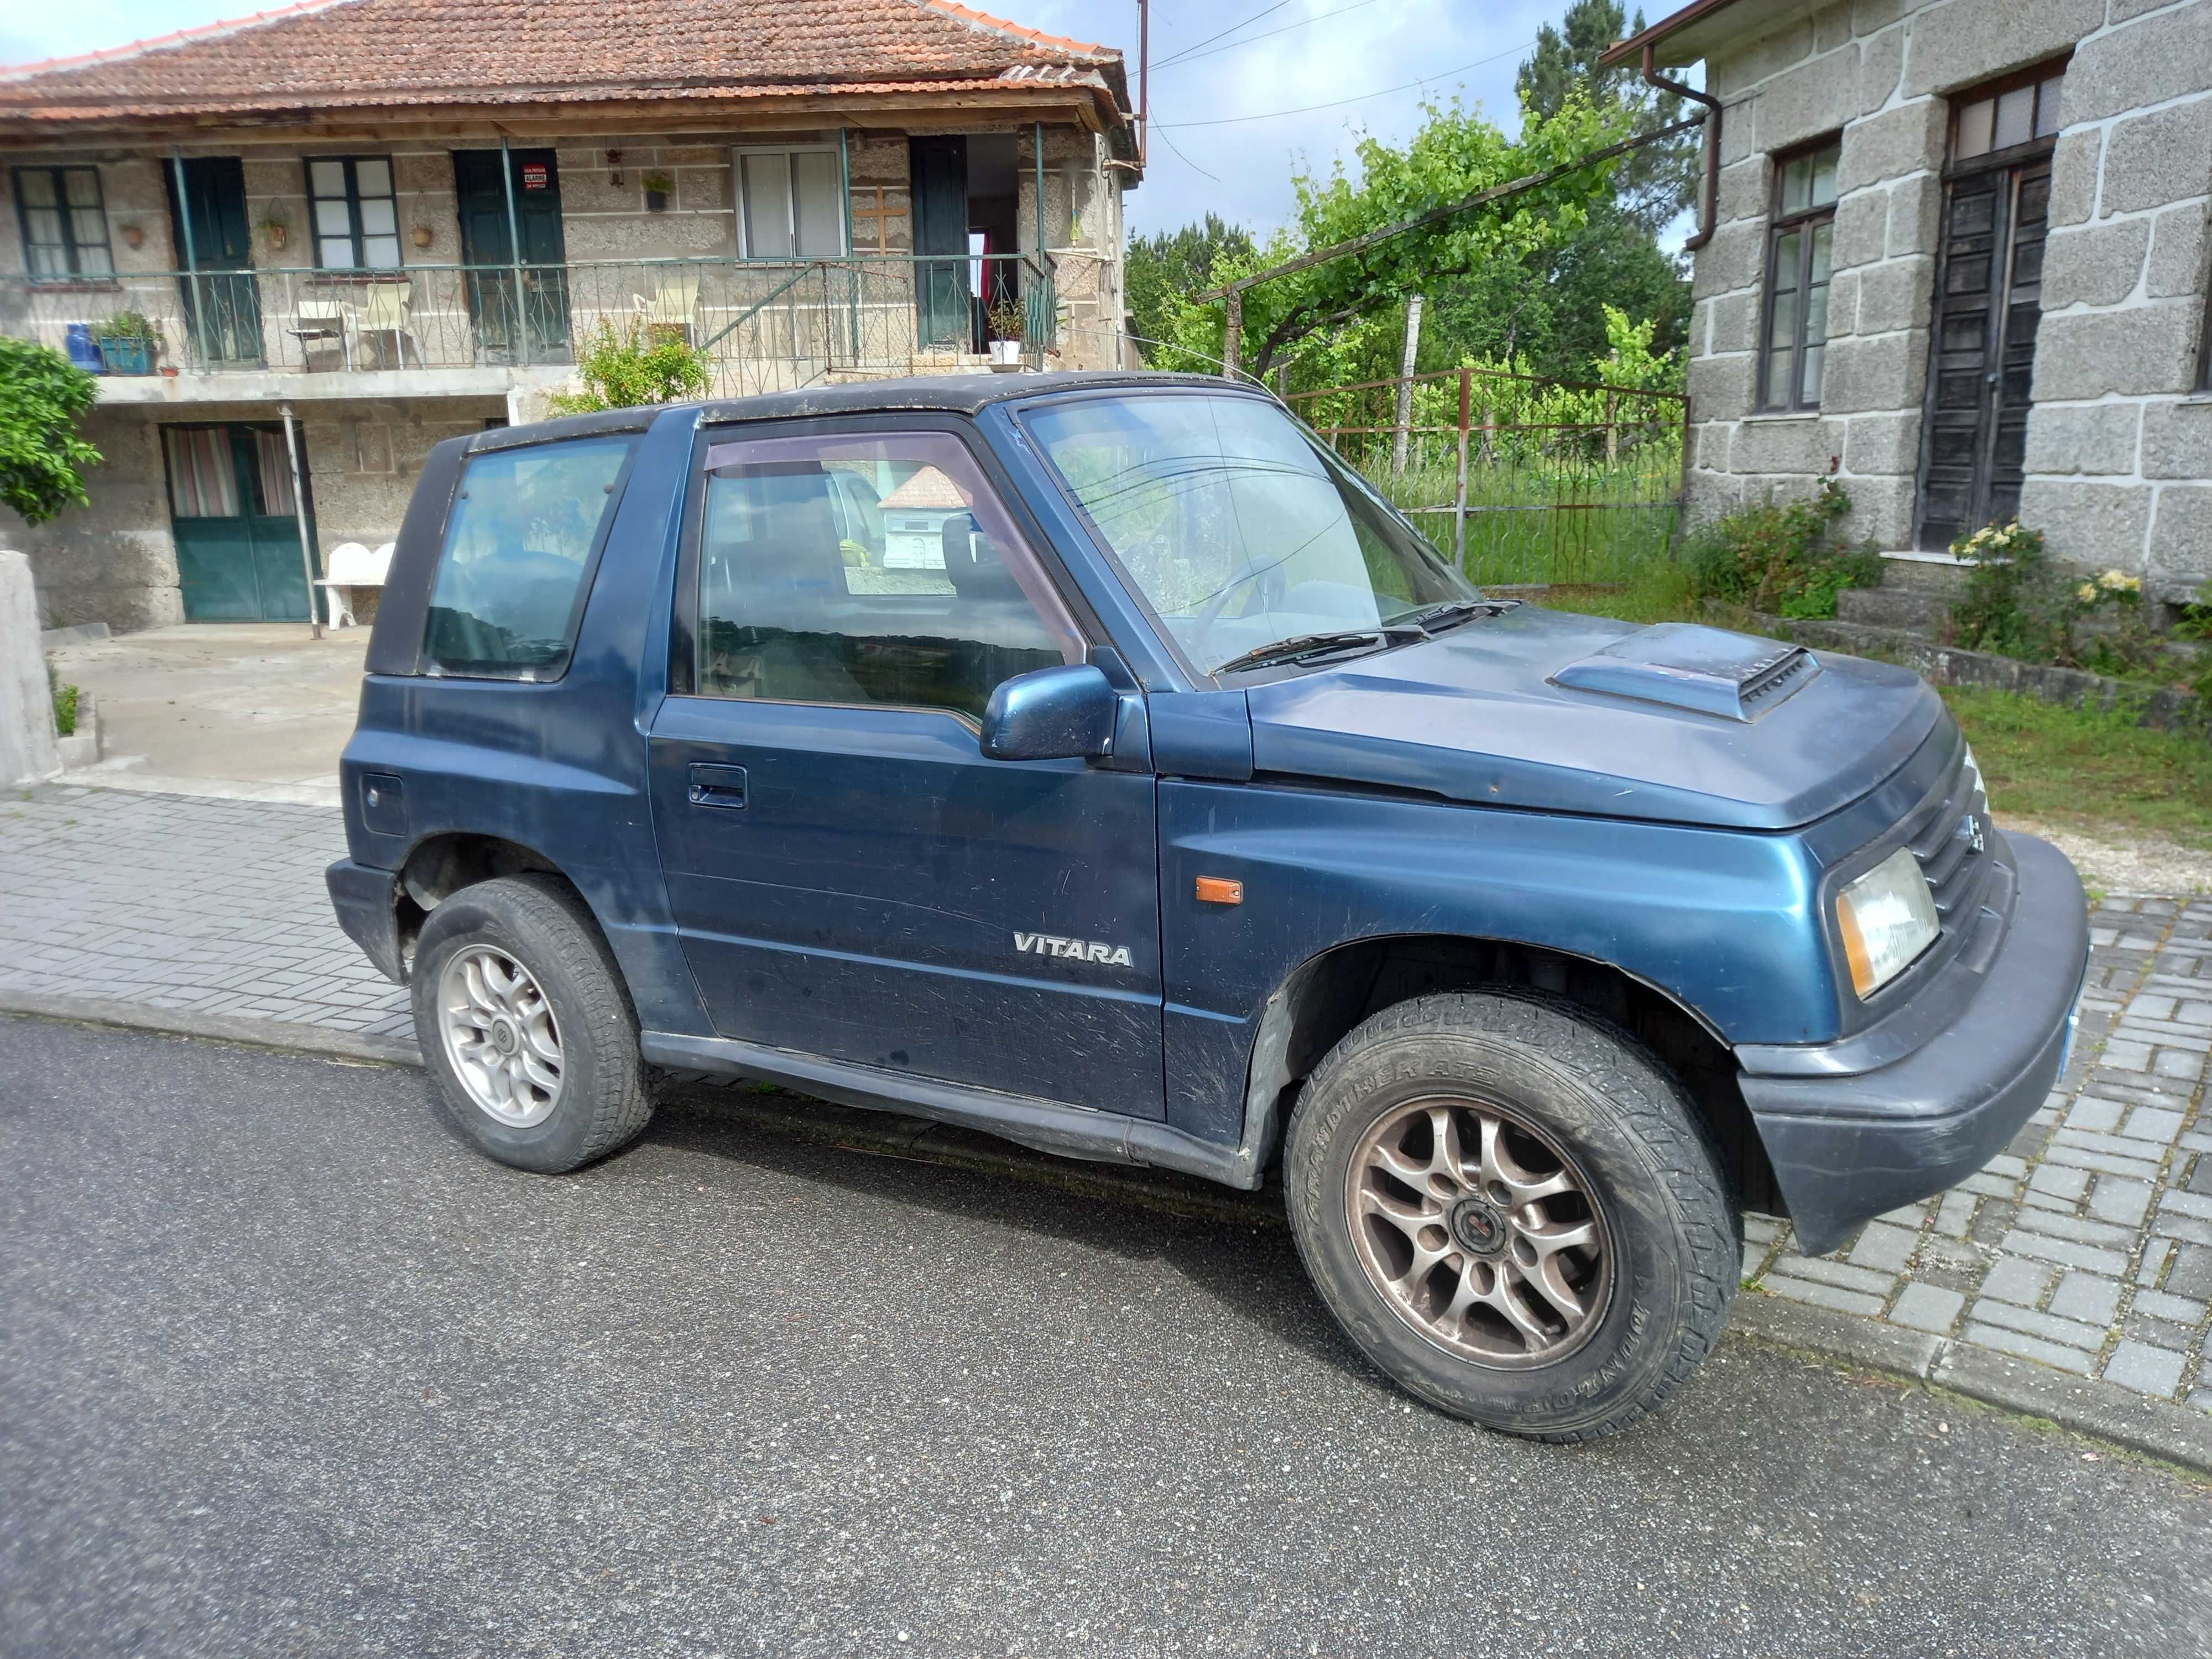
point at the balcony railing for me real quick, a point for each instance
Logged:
(762, 324)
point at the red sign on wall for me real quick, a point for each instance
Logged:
(534, 176)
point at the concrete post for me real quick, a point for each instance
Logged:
(29, 751)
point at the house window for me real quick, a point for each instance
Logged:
(64, 221)
(357, 217)
(2016, 110)
(791, 204)
(1800, 241)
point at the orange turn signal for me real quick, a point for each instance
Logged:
(1219, 889)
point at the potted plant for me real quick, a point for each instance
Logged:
(657, 188)
(276, 228)
(1003, 319)
(128, 341)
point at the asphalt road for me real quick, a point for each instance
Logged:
(286, 1369)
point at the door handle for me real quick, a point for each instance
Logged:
(718, 786)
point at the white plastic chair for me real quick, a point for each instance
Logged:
(674, 302)
(385, 311)
(326, 320)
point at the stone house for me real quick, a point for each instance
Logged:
(349, 228)
(1957, 259)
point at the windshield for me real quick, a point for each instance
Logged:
(1239, 529)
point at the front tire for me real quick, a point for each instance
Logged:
(522, 1015)
(1512, 1208)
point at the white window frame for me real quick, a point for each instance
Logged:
(738, 155)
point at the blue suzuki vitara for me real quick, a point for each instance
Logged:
(1095, 760)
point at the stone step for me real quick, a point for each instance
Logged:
(1924, 574)
(1918, 612)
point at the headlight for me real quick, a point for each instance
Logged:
(1887, 919)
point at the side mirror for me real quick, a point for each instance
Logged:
(1053, 713)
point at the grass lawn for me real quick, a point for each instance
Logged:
(2082, 770)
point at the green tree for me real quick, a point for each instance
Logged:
(1658, 181)
(1168, 264)
(43, 456)
(1456, 154)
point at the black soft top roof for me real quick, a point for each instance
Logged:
(961, 394)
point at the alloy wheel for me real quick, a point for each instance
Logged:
(1480, 1232)
(500, 1036)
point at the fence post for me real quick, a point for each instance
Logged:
(1405, 410)
(1232, 336)
(1459, 490)
(1612, 427)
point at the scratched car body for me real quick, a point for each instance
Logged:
(1180, 805)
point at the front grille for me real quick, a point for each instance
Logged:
(1944, 831)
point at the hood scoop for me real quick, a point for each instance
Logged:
(1707, 671)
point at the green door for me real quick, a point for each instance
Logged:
(538, 311)
(238, 539)
(942, 303)
(222, 310)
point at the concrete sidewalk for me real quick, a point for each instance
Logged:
(2085, 1248)
(247, 711)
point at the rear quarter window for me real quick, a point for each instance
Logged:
(521, 541)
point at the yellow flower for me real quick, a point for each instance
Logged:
(2087, 593)
(2113, 581)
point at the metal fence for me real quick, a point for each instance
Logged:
(762, 324)
(1521, 478)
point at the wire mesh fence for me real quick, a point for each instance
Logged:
(1521, 479)
(763, 325)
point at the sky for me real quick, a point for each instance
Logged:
(1221, 142)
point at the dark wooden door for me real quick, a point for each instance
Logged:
(942, 302)
(516, 317)
(221, 308)
(1988, 290)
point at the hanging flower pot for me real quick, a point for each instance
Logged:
(658, 186)
(425, 236)
(279, 233)
(135, 234)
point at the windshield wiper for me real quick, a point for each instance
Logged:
(1305, 647)
(1452, 612)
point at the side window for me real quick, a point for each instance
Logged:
(866, 568)
(1801, 233)
(524, 525)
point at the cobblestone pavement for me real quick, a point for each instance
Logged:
(2087, 1246)
(183, 902)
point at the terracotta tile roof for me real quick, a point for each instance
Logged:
(337, 54)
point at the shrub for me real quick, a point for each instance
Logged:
(2020, 604)
(637, 366)
(43, 456)
(65, 699)
(1775, 557)
(127, 325)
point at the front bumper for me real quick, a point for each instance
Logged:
(1856, 1128)
(366, 899)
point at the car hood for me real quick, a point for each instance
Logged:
(1547, 711)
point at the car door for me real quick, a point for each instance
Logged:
(849, 876)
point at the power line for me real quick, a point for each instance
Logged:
(1337, 103)
(1232, 29)
(1192, 57)
(1186, 160)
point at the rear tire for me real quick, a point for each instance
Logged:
(522, 1018)
(1514, 1209)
